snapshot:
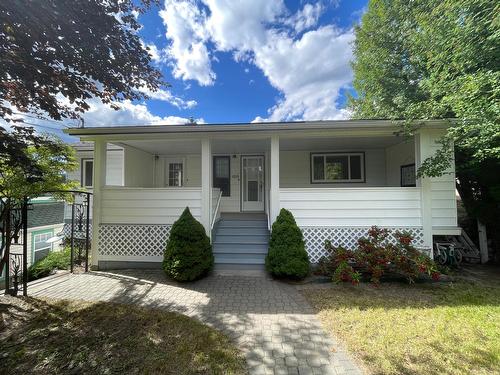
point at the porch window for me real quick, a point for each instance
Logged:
(175, 172)
(222, 178)
(337, 167)
(87, 173)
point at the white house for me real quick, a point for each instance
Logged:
(84, 174)
(338, 178)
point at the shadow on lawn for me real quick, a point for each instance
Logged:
(257, 313)
(88, 338)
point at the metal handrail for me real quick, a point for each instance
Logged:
(216, 210)
(268, 198)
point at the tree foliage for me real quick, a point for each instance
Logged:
(438, 59)
(432, 59)
(32, 164)
(57, 54)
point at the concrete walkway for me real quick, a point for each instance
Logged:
(269, 321)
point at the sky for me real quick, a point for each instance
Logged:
(242, 61)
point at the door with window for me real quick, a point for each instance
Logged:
(252, 183)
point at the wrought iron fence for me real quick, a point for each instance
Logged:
(14, 238)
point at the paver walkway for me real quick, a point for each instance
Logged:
(270, 321)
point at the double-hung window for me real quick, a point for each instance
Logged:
(337, 167)
(41, 247)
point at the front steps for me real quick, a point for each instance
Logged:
(240, 242)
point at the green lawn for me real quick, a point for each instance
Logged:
(49, 337)
(396, 328)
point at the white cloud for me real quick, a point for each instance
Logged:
(167, 96)
(184, 23)
(157, 54)
(305, 18)
(100, 114)
(308, 69)
(309, 72)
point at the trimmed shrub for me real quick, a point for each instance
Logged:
(287, 257)
(55, 260)
(188, 255)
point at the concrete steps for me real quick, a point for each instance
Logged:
(241, 242)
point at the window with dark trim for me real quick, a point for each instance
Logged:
(222, 174)
(337, 167)
(87, 173)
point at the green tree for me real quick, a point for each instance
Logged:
(438, 59)
(32, 164)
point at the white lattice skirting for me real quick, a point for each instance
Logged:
(315, 238)
(133, 240)
(78, 233)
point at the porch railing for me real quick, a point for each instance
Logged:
(127, 205)
(354, 207)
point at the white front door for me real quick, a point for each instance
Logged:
(252, 183)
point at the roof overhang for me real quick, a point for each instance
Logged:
(365, 127)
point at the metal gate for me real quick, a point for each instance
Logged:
(14, 230)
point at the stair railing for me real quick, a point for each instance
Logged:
(216, 212)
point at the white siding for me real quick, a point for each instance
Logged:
(138, 168)
(346, 207)
(148, 206)
(443, 201)
(114, 167)
(295, 169)
(192, 170)
(395, 156)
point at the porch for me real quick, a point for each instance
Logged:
(336, 183)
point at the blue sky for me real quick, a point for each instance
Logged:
(243, 61)
(241, 91)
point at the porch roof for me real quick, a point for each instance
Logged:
(356, 126)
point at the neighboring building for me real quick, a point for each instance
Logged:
(338, 178)
(45, 221)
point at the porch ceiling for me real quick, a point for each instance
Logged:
(235, 146)
(338, 143)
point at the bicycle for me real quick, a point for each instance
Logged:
(445, 253)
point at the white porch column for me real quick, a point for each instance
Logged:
(99, 180)
(422, 151)
(206, 184)
(274, 199)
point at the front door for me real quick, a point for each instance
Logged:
(252, 183)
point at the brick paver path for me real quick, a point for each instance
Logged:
(269, 321)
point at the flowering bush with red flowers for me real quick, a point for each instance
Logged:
(375, 256)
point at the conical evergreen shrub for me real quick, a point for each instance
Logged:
(188, 255)
(287, 257)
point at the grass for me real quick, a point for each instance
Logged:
(59, 337)
(416, 329)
